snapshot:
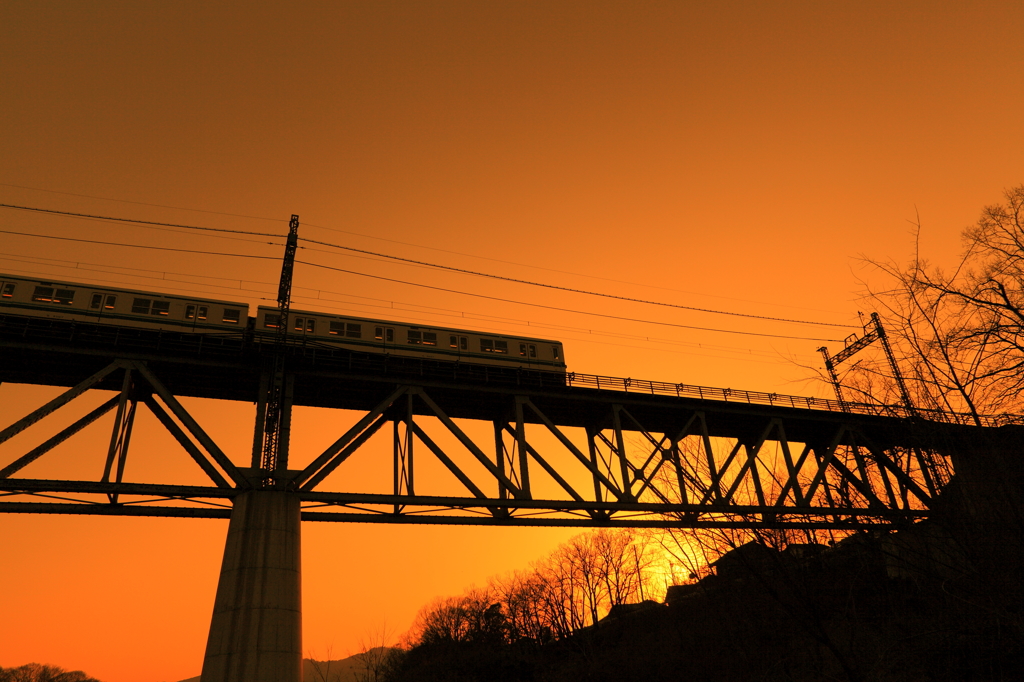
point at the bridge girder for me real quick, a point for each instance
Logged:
(518, 456)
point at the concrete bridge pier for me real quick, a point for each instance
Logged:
(256, 630)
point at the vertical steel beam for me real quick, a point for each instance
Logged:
(409, 463)
(258, 432)
(594, 463)
(117, 432)
(524, 464)
(620, 447)
(285, 437)
(499, 459)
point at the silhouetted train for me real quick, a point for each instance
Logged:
(126, 307)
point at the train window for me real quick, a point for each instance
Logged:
(353, 330)
(463, 343)
(429, 339)
(310, 325)
(501, 346)
(231, 316)
(299, 321)
(554, 350)
(8, 291)
(190, 312)
(161, 308)
(453, 341)
(378, 333)
(64, 296)
(337, 328)
(522, 349)
(272, 321)
(43, 294)
(97, 302)
(415, 337)
(201, 313)
(486, 345)
(140, 306)
(533, 351)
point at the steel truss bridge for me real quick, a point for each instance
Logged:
(521, 447)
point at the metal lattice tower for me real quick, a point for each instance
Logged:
(276, 410)
(877, 333)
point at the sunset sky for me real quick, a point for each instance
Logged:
(741, 157)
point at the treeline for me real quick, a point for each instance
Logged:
(571, 589)
(34, 672)
(491, 632)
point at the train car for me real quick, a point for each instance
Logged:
(402, 338)
(63, 300)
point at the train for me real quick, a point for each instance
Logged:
(62, 300)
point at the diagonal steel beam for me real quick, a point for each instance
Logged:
(56, 440)
(348, 436)
(61, 400)
(548, 468)
(346, 451)
(829, 460)
(193, 427)
(574, 450)
(823, 462)
(794, 472)
(715, 484)
(884, 461)
(185, 443)
(469, 444)
(452, 466)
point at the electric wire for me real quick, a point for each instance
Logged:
(403, 307)
(577, 291)
(427, 286)
(565, 310)
(139, 246)
(144, 203)
(444, 267)
(136, 222)
(561, 272)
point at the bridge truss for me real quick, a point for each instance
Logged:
(519, 448)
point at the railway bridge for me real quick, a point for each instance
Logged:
(522, 448)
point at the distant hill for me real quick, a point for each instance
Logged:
(341, 670)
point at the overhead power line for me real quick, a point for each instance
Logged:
(564, 310)
(397, 241)
(580, 291)
(144, 203)
(138, 222)
(689, 348)
(139, 246)
(453, 269)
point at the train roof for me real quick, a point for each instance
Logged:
(50, 282)
(371, 320)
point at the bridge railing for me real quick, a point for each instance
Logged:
(630, 385)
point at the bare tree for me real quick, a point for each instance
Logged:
(34, 672)
(958, 334)
(377, 655)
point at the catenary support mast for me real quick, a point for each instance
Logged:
(256, 629)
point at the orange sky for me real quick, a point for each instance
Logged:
(729, 155)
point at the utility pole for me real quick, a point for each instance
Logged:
(277, 389)
(876, 333)
(256, 629)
